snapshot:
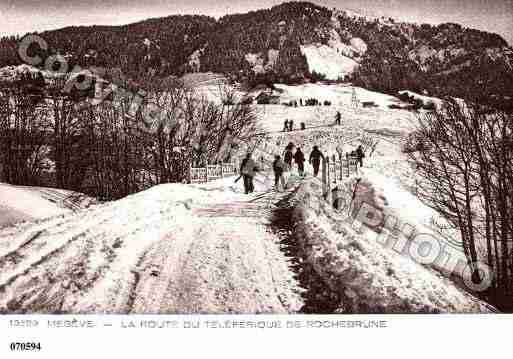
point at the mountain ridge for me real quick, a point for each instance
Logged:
(287, 42)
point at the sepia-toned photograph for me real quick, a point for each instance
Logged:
(256, 157)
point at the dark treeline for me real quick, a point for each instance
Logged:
(108, 151)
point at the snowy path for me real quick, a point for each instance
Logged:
(176, 256)
(228, 264)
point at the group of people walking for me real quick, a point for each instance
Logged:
(281, 166)
(249, 168)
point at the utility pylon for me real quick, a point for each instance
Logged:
(355, 102)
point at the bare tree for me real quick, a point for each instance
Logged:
(112, 149)
(463, 155)
(194, 130)
(23, 137)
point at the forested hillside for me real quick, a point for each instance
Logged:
(268, 45)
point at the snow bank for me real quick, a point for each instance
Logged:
(18, 205)
(368, 276)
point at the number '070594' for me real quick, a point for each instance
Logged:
(25, 346)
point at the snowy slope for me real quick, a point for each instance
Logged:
(271, 117)
(335, 59)
(326, 60)
(389, 178)
(210, 86)
(337, 94)
(369, 277)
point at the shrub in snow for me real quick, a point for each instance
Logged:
(414, 143)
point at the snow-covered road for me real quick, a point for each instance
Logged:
(173, 249)
(228, 263)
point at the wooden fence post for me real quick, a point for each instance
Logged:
(326, 184)
(347, 164)
(328, 189)
(323, 177)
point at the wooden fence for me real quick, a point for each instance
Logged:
(334, 171)
(212, 172)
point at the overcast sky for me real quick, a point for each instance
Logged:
(21, 16)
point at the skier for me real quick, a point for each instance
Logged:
(315, 159)
(278, 168)
(299, 158)
(248, 168)
(288, 155)
(286, 126)
(360, 155)
(291, 125)
(338, 116)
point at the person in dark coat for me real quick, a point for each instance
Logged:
(338, 117)
(315, 159)
(299, 158)
(288, 157)
(286, 126)
(291, 125)
(360, 155)
(248, 169)
(279, 168)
